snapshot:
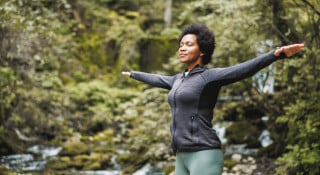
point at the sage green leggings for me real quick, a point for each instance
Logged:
(206, 162)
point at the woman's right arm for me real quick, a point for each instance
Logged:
(156, 80)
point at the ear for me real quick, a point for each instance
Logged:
(201, 54)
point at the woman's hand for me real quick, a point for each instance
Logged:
(289, 50)
(126, 73)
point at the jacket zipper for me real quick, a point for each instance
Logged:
(192, 127)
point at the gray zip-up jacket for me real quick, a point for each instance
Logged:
(193, 97)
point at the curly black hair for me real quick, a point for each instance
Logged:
(205, 39)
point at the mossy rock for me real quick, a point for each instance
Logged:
(103, 148)
(131, 162)
(124, 158)
(80, 161)
(93, 162)
(229, 164)
(93, 166)
(102, 144)
(74, 148)
(61, 163)
(103, 159)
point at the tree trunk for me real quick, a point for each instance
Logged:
(168, 13)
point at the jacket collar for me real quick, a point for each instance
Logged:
(197, 69)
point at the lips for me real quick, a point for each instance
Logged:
(182, 55)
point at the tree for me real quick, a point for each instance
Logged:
(298, 124)
(167, 13)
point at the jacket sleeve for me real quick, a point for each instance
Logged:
(156, 80)
(243, 70)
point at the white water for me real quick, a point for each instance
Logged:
(220, 129)
(102, 172)
(265, 139)
(144, 170)
(36, 157)
(29, 161)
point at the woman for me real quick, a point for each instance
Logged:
(193, 95)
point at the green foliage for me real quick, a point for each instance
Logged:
(243, 133)
(96, 104)
(303, 135)
(156, 51)
(146, 119)
(8, 143)
(300, 159)
(8, 84)
(60, 65)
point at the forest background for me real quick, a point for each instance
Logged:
(60, 80)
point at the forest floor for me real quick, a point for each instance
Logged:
(251, 166)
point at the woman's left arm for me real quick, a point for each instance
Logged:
(246, 69)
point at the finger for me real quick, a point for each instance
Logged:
(293, 49)
(126, 73)
(298, 47)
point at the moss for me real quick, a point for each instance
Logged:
(168, 170)
(103, 159)
(92, 166)
(131, 162)
(74, 148)
(229, 164)
(59, 163)
(105, 136)
(124, 158)
(79, 161)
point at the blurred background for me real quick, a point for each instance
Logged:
(65, 108)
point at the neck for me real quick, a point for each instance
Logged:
(191, 66)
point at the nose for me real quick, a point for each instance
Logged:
(182, 48)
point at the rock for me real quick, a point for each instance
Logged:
(251, 160)
(236, 157)
(244, 169)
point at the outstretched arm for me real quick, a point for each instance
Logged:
(152, 79)
(246, 69)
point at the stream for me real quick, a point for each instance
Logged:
(36, 157)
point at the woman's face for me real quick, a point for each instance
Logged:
(189, 51)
